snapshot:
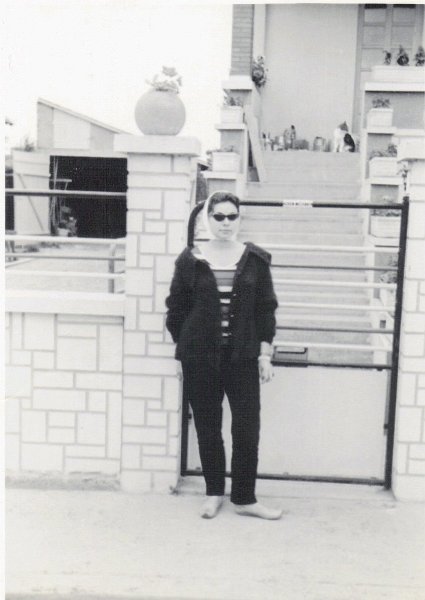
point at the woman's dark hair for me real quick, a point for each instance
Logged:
(219, 197)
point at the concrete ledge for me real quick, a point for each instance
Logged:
(157, 144)
(238, 82)
(220, 174)
(411, 149)
(76, 303)
(388, 86)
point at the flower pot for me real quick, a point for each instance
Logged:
(225, 161)
(63, 232)
(383, 166)
(231, 114)
(380, 117)
(160, 113)
(398, 74)
(385, 227)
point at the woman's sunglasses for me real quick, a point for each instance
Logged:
(220, 217)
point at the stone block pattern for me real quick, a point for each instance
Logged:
(242, 39)
(159, 189)
(63, 395)
(409, 464)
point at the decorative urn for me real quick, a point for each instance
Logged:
(160, 110)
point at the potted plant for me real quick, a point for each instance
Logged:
(383, 163)
(66, 223)
(420, 57)
(259, 72)
(400, 71)
(402, 57)
(225, 159)
(160, 111)
(381, 113)
(67, 227)
(385, 222)
(232, 109)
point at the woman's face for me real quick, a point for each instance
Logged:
(222, 227)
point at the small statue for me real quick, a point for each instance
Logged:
(289, 137)
(387, 57)
(402, 57)
(267, 142)
(420, 57)
(293, 135)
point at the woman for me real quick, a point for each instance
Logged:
(221, 315)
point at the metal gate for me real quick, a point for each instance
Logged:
(325, 419)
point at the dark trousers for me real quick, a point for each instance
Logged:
(204, 388)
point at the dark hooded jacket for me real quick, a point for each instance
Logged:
(193, 316)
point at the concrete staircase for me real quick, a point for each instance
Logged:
(301, 174)
(316, 176)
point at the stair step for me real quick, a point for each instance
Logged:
(318, 293)
(249, 225)
(318, 275)
(314, 257)
(261, 211)
(319, 297)
(314, 313)
(312, 175)
(339, 357)
(328, 191)
(323, 320)
(301, 238)
(326, 337)
(307, 158)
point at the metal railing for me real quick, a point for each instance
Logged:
(15, 243)
(392, 334)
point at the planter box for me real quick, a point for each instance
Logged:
(231, 114)
(383, 166)
(384, 227)
(397, 74)
(380, 117)
(225, 161)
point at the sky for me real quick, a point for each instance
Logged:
(94, 57)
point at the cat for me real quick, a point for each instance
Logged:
(342, 141)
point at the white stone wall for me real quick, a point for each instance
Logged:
(63, 394)
(409, 450)
(160, 175)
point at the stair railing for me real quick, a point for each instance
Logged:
(254, 140)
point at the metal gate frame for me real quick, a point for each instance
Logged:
(403, 207)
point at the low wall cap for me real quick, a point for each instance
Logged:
(157, 144)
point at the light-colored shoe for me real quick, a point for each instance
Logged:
(258, 510)
(211, 506)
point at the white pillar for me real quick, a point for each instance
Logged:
(158, 202)
(409, 445)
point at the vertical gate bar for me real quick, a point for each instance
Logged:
(396, 342)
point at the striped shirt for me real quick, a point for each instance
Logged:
(224, 277)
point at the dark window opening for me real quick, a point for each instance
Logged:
(98, 218)
(10, 205)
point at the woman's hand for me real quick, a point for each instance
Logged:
(266, 369)
(179, 370)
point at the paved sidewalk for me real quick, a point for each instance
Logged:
(335, 542)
